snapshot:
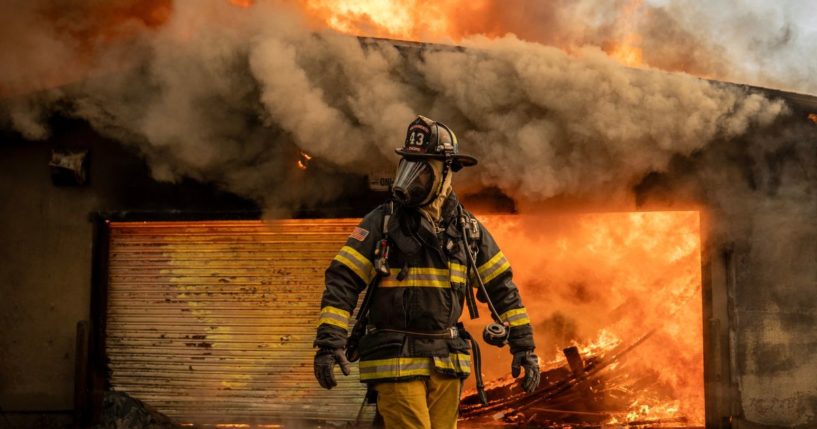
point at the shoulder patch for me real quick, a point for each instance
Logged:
(359, 233)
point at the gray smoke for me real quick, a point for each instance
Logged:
(230, 96)
(547, 124)
(756, 42)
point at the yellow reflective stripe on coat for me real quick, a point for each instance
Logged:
(495, 266)
(394, 368)
(515, 317)
(356, 262)
(420, 277)
(457, 272)
(459, 362)
(334, 316)
(413, 366)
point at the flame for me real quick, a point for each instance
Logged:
(448, 20)
(408, 20)
(602, 281)
(628, 50)
(242, 3)
(605, 341)
(303, 161)
(813, 117)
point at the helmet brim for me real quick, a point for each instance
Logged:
(460, 159)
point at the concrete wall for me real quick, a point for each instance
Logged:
(759, 194)
(45, 255)
(776, 321)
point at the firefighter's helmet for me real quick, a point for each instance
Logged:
(427, 138)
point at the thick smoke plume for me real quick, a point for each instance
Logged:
(229, 95)
(748, 41)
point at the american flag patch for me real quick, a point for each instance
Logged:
(359, 234)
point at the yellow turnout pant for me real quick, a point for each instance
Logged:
(431, 403)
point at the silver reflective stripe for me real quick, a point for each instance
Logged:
(420, 277)
(495, 266)
(356, 262)
(517, 317)
(334, 319)
(425, 277)
(460, 363)
(395, 367)
(457, 272)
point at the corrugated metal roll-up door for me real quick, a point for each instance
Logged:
(213, 322)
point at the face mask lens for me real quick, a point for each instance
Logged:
(413, 183)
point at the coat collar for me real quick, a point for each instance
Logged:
(448, 214)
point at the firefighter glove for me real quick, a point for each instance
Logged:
(325, 360)
(528, 360)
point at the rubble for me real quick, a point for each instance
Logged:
(120, 411)
(592, 391)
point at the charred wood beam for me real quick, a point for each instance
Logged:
(577, 366)
(574, 359)
(518, 402)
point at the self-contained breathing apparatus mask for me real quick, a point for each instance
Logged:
(417, 182)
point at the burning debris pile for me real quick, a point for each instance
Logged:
(591, 389)
(616, 298)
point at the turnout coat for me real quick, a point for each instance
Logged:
(424, 293)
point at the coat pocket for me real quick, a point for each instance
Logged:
(379, 345)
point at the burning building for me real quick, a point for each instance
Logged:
(661, 226)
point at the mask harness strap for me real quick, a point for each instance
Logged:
(381, 264)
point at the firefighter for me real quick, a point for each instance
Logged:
(411, 253)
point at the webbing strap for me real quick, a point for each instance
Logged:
(451, 332)
(363, 313)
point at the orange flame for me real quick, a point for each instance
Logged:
(408, 20)
(242, 3)
(443, 21)
(602, 281)
(303, 161)
(627, 51)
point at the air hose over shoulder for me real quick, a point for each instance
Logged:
(495, 333)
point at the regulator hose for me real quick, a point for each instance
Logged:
(477, 363)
